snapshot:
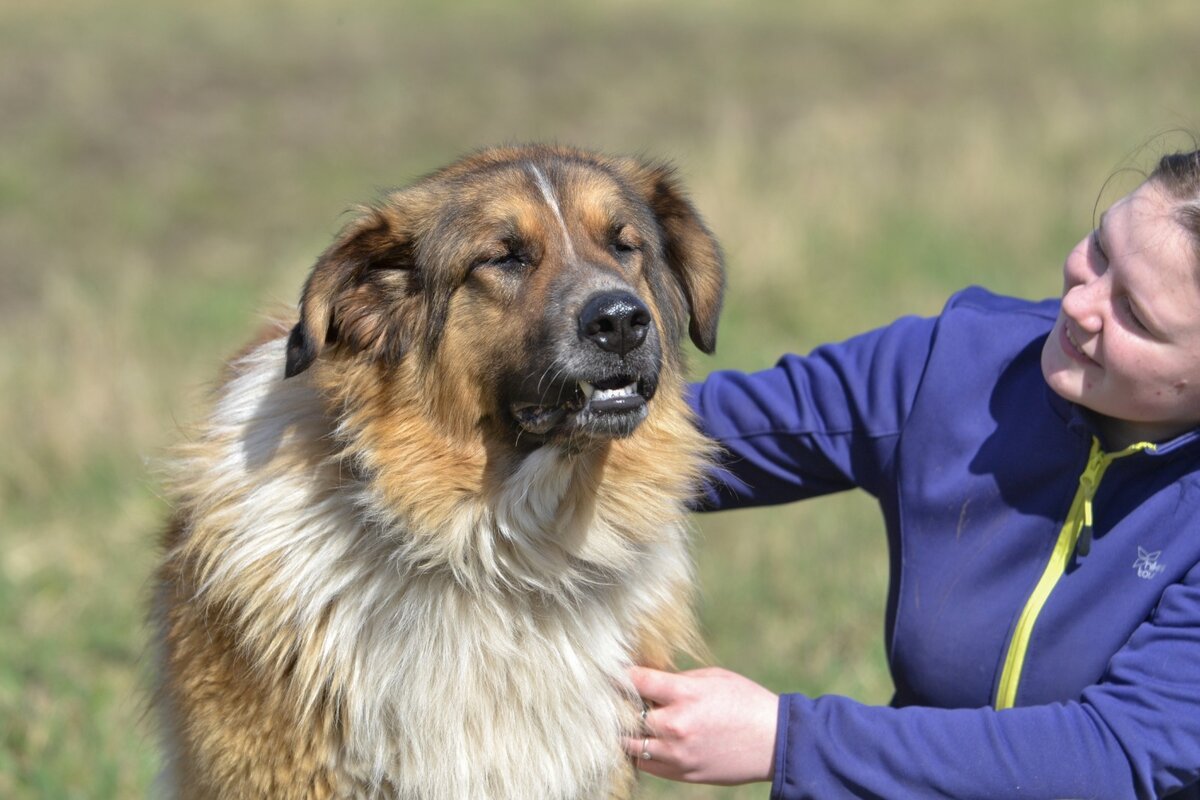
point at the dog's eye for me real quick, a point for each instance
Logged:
(506, 261)
(623, 242)
(511, 259)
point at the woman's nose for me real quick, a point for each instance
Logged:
(1084, 302)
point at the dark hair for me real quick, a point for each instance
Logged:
(1179, 175)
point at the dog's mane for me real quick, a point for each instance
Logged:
(385, 570)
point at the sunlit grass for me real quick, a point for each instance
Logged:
(166, 171)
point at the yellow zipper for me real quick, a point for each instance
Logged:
(1075, 536)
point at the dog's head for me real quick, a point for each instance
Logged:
(542, 290)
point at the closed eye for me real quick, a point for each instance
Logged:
(1133, 315)
(1128, 308)
(508, 256)
(506, 261)
(623, 241)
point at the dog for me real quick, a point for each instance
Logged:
(431, 520)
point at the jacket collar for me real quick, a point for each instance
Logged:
(1082, 421)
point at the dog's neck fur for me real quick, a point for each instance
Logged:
(398, 612)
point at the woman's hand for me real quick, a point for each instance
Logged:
(705, 726)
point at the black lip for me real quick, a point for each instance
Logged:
(569, 413)
(619, 405)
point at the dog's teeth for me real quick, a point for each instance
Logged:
(606, 394)
(587, 389)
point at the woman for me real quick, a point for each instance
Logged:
(1036, 464)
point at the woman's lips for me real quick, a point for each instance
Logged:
(1073, 350)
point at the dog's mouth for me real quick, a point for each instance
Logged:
(605, 408)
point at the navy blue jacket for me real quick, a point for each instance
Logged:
(976, 465)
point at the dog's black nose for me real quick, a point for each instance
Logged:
(615, 321)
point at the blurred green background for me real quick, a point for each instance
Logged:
(167, 172)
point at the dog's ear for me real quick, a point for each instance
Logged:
(342, 296)
(690, 249)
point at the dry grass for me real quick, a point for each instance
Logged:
(165, 171)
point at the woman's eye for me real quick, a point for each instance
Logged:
(1133, 315)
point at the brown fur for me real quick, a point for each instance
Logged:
(393, 446)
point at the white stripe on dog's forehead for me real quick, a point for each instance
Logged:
(548, 193)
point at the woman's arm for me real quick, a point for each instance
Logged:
(1136, 733)
(813, 424)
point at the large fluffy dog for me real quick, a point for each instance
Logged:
(425, 530)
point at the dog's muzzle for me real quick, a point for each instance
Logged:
(601, 385)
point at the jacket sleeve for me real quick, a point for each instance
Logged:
(1136, 733)
(813, 424)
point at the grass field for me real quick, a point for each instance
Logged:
(167, 171)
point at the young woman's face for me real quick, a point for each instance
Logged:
(1127, 340)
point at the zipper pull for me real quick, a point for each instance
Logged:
(1088, 483)
(1083, 545)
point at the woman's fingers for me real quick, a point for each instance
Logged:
(659, 763)
(709, 726)
(650, 753)
(656, 687)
